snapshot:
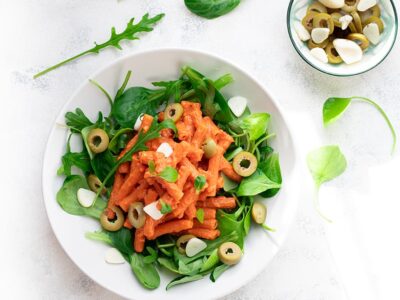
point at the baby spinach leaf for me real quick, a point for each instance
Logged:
(271, 168)
(326, 163)
(190, 268)
(184, 279)
(146, 273)
(334, 107)
(102, 164)
(169, 264)
(119, 140)
(144, 25)
(229, 184)
(165, 207)
(169, 174)
(255, 184)
(68, 200)
(152, 257)
(199, 182)
(200, 215)
(77, 120)
(121, 239)
(211, 9)
(211, 261)
(218, 272)
(227, 224)
(255, 125)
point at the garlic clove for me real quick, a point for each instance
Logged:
(364, 5)
(85, 197)
(332, 3)
(237, 105)
(318, 35)
(165, 149)
(371, 31)
(153, 211)
(345, 21)
(302, 32)
(113, 256)
(194, 246)
(348, 50)
(319, 54)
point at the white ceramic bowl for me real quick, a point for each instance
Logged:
(165, 64)
(372, 57)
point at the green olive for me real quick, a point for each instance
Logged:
(229, 253)
(374, 11)
(360, 39)
(182, 241)
(116, 223)
(259, 212)
(357, 21)
(313, 45)
(353, 27)
(350, 5)
(323, 20)
(308, 20)
(244, 163)
(335, 17)
(136, 215)
(377, 21)
(317, 7)
(95, 183)
(98, 140)
(333, 56)
(209, 148)
(173, 111)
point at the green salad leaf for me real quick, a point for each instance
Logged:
(147, 274)
(255, 125)
(218, 272)
(334, 107)
(211, 261)
(184, 279)
(200, 215)
(121, 239)
(199, 182)
(211, 9)
(271, 168)
(169, 174)
(144, 25)
(165, 207)
(255, 184)
(68, 200)
(102, 164)
(77, 120)
(79, 159)
(119, 140)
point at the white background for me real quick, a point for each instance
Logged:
(356, 257)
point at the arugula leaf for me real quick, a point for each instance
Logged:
(119, 140)
(325, 163)
(184, 279)
(79, 159)
(255, 125)
(68, 200)
(169, 174)
(255, 184)
(228, 223)
(165, 207)
(200, 215)
(211, 9)
(199, 182)
(144, 25)
(218, 272)
(146, 273)
(271, 168)
(334, 107)
(77, 120)
(121, 239)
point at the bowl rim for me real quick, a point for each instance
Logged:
(295, 171)
(336, 74)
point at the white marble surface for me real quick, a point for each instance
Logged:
(355, 258)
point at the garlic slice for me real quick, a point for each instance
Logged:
(364, 5)
(194, 246)
(302, 32)
(85, 197)
(371, 31)
(319, 35)
(348, 50)
(138, 122)
(152, 210)
(332, 3)
(165, 149)
(319, 54)
(237, 105)
(113, 256)
(345, 21)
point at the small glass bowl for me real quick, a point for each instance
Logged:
(372, 57)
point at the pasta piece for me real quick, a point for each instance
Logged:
(209, 213)
(140, 239)
(190, 212)
(218, 202)
(118, 180)
(136, 174)
(203, 233)
(171, 227)
(228, 170)
(207, 224)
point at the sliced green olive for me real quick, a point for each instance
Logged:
(313, 45)
(136, 215)
(353, 27)
(259, 212)
(323, 20)
(116, 223)
(350, 5)
(244, 163)
(209, 148)
(360, 39)
(229, 253)
(308, 20)
(333, 56)
(98, 140)
(182, 241)
(377, 21)
(95, 183)
(317, 7)
(173, 111)
(374, 11)
(335, 17)
(357, 21)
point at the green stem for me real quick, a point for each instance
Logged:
(262, 140)
(382, 112)
(60, 64)
(103, 90)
